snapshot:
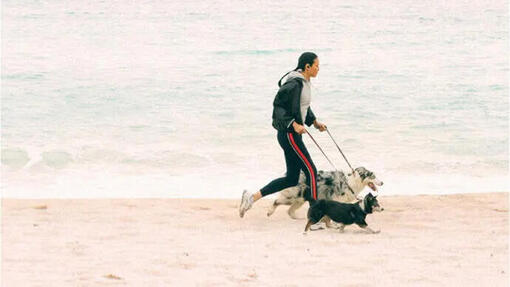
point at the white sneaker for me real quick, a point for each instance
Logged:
(246, 203)
(317, 226)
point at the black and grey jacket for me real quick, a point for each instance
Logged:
(286, 106)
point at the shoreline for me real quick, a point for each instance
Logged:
(426, 240)
(268, 198)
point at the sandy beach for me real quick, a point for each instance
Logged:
(425, 240)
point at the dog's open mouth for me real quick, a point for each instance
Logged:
(372, 186)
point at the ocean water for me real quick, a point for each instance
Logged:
(174, 98)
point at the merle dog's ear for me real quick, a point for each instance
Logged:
(363, 172)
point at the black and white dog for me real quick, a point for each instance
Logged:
(332, 185)
(343, 213)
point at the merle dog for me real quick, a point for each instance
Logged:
(333, 185)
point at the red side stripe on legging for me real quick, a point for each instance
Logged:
(308, 165)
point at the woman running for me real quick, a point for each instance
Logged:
(291, 111)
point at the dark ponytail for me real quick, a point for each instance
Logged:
(280, 81)
(305, 58)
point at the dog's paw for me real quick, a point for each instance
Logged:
(333, 225)
(377, 231)
(270, 211)
(293, 216)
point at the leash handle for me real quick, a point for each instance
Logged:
(340, 150)
(322, 151)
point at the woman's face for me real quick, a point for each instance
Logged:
(314, 69)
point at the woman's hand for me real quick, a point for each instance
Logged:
(300, 129)
(320, 126)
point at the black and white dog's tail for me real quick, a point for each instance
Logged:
(315, 212)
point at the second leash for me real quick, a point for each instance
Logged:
(340, 150)
(352, 191)
(322, 151)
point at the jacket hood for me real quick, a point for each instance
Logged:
(295, 74)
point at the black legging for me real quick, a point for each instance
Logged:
(297, 158)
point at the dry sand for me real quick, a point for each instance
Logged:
(454, 240)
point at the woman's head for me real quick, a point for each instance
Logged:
(308, 63)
